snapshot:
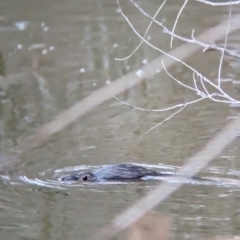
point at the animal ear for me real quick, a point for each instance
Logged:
(85, 178)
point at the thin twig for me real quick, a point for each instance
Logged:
(176, 20)
(145, 34)
(165, 120)
(194, 164)
(230, 99)
(206, 46)
(224, 47)
(219, 3)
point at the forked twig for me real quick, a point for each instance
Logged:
(218, 96)
(194, 164)
(165, 120)
(145, 34)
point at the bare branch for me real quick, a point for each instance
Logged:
(206, 46)
(175, 23)
(157, 110)
(219, 3)
(193, 165)
(224, 47)
(145, 34)
(230, 99)
(165, 120)
(218, 96)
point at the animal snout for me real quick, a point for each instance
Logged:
(73, 177)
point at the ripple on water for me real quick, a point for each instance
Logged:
(51, 178)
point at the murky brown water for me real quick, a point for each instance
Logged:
(79, 41)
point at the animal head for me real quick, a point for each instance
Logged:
(86, 176)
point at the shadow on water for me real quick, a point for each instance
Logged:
(75, 56)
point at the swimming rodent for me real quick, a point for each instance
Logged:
(120, 172)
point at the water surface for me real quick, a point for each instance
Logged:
(77, 43)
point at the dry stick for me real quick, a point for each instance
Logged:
(164, 190)
(207, 46)
(211, 47)
(224, 47)
(227, 3)
(105, 93)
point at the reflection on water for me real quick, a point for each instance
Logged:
(53, 54)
